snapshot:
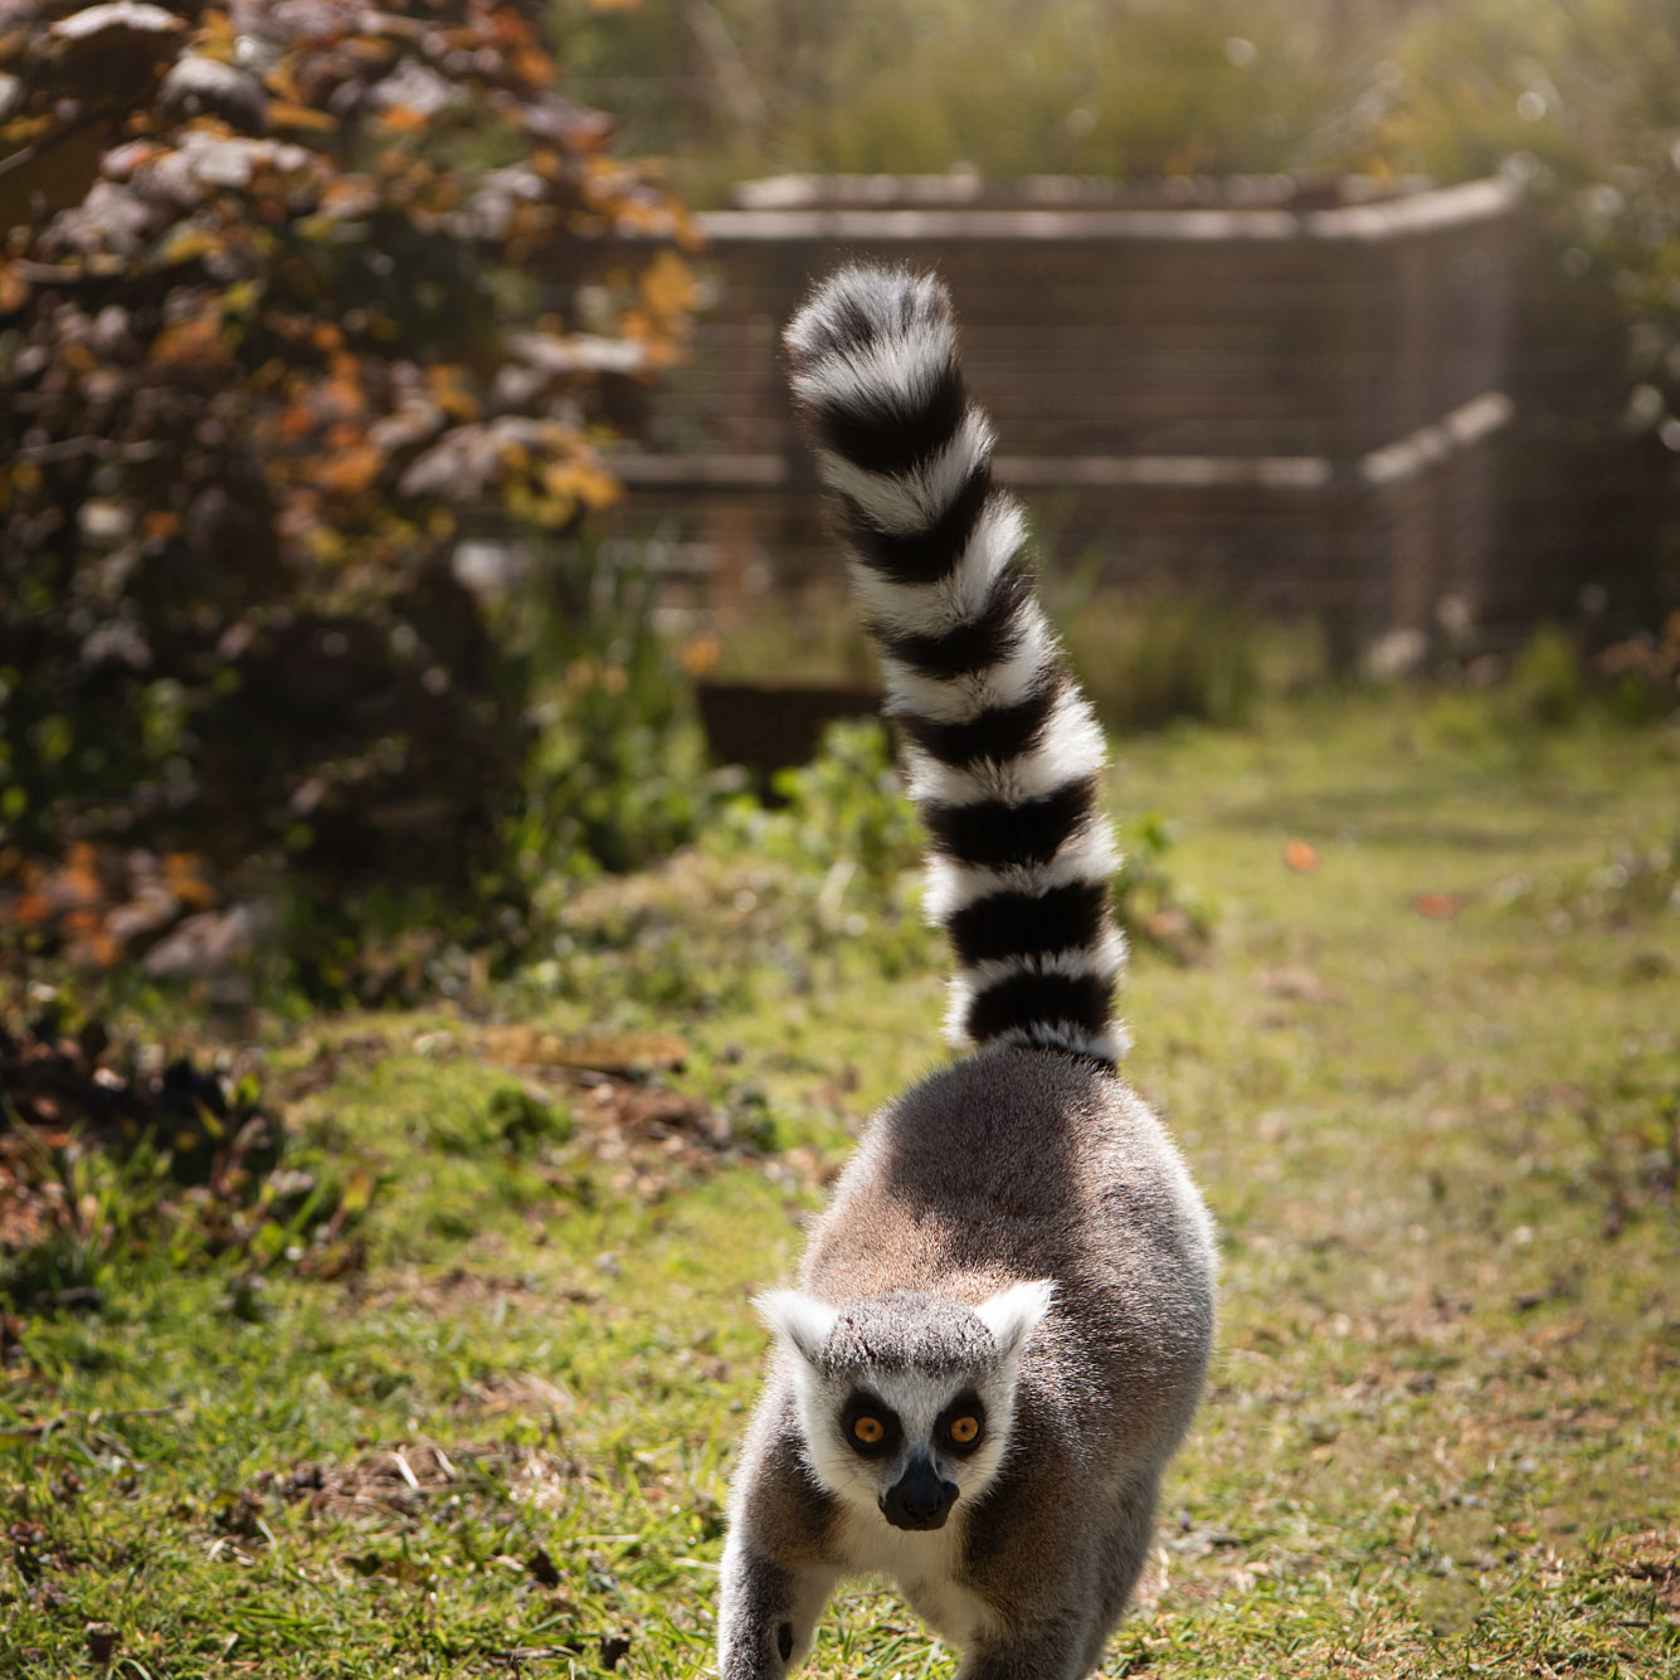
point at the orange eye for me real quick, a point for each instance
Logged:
(964, 1430)
(870, 1431)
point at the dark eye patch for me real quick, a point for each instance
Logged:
(961, 1427)
(869, 1426)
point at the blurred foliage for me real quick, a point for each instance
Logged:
(514, 1119)
(1577, 99)
(108, 1145)
(845, 816)
(1580, 102)
(1106, 87)
(291, 296)
(1634, 886)
(816, 639)
(1641, 675)
(1148, 659)
(769, 899)
(1548, 686)
(1637, 680)
(617, 776)
(1152, 906)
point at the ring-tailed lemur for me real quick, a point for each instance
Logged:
(1003, 1319)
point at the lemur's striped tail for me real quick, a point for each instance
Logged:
(1006, 752)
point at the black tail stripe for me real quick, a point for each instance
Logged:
(985, 640)
(1028, 1000)
(1015, 924)
(993, 833)
(886, 438)
(928, 555)
(999, 733)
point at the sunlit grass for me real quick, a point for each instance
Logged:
(1428, 1082)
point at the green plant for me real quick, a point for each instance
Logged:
(1640, 677)
(1147, 659)
(843, 817)
(1548, 686)
(1153, 908)
(513, 1119)
(812, 642)
(617, 774)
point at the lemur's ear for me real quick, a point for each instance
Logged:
(1012, 1315)
(799, 1321)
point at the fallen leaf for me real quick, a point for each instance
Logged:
(14, 291)
(197, 342)
(283, 113)
(1438, 907)
(1300, 856)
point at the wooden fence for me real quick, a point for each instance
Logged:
(1289, 397)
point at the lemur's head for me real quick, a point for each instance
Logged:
(906, 1401)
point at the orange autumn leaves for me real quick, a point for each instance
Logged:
(101, 902)
(340, 311)
(290, 296)
(1304, 858)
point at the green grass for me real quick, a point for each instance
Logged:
(1443, 1428)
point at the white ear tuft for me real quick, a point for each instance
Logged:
(1012, 1315)
(799, 1320)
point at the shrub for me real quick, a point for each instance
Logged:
(1148, 659)
(1548, 685)
(268, 343)
(617, 774)
(845, 809)
(1641, 675)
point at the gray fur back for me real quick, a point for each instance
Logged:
(1027, 1163)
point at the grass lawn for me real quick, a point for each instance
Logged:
(1428, 1077)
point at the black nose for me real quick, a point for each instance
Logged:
(919, 1499)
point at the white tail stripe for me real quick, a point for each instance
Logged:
(1104, 959)
(904, 504)
(893, 374)
(887, 295)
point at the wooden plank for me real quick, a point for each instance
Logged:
(1361, 224)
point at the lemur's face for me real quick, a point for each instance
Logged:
(906, 1401)
(910, 1444)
